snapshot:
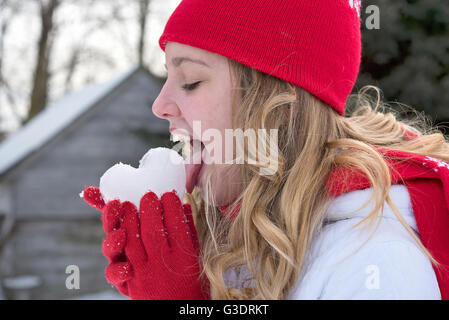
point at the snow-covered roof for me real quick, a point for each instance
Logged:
(53, 119)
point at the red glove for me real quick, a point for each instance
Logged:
(153, 253)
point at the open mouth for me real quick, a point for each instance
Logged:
(189, 146)
(192, 153)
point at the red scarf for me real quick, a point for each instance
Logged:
(427, 181)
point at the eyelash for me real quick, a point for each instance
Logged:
(191, 86)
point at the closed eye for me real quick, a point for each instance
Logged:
(191, 86)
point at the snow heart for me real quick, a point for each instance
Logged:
(160, 170)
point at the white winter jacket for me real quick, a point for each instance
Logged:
(389, 266)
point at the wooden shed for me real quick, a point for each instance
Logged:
(44, 224)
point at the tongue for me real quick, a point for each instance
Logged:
(192, 171)
(193, 165)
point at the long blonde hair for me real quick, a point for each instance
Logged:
(281, 214)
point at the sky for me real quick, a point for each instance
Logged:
(111, 49)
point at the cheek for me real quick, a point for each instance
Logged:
(212, 113)
(219, 113)
(217, 97)
(210, 106)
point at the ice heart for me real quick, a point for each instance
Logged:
(160, 170)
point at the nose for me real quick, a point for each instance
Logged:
(164, 106)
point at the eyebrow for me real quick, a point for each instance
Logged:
(178, 60)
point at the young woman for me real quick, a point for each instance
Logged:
(357, 205)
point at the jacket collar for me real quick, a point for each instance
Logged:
(352, 201)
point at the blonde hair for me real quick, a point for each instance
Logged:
(281, 214)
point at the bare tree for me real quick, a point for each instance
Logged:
(72, 65)
(39, 92)
(143, 14)
(79, 57)
(4, 23)
(8, 10)
(81, 54)
(82, 58)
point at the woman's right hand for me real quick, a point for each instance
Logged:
(153, 252)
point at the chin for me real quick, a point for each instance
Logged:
(222, 194)
(216, 191)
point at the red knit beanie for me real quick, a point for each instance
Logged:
(315, 45)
